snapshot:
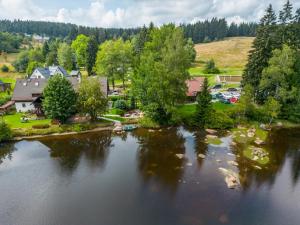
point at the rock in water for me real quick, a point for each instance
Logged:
(211, 131)
(201, 156)
(180, 156)
(231, 178)
(232, 163)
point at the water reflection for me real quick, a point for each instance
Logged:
(157, 158)
(6, 151)
(137, 179)
(70, 150)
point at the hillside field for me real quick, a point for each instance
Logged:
(230, 55)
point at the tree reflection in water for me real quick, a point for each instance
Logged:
(6, 151)
(157, 160)
(69, 150)
(283, 147)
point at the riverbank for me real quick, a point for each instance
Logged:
(108, 128)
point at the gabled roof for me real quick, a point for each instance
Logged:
(194, 86)
(25, 88)
(44, 71)
(54, 70)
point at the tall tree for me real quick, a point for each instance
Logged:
(286, 14)
(45, 50)
(204, 106)
(265, 42)
(65, 56)
(91, 98)
(92, 50)
(80, 47)
(159, 79)
(59, 98)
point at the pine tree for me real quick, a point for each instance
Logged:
(91, 54)
(265, 42)
(270, 17)
(45, 50)
(286, 15)
(204, 106)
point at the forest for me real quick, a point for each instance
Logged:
(202, 31)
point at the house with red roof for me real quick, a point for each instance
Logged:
(194, 86)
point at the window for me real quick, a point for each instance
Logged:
(23, 105)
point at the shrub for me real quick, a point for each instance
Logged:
(220, 120)
(4, 68)
(41, 126)
(147, 122)
(5, 132)
(121, 104)
(210, 67)
(119, 112)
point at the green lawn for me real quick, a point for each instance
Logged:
(187, 111)
(14, 121)
(219, 106)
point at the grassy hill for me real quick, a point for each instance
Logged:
(230, 55)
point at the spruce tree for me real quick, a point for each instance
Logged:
(286, 15)
(265, 42)
(92, 50)
(270, 17)
(204, 106)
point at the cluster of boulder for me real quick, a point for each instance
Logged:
(258, 153)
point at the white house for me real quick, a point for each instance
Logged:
(46, 73)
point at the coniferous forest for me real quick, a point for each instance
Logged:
(199, 32)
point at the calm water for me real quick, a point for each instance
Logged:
(136, 179)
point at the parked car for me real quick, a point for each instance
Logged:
(233, 100)
(217, 86)
(232, 90)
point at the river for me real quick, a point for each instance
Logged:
(137, 179)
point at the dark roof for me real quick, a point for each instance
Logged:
(103, 83)
(24, 89)
(1, 82)
(44, 71)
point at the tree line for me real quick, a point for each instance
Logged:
(208, 30)
(217, 29)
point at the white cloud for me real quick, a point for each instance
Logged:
(139, 12)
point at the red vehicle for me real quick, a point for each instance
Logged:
(233, 100)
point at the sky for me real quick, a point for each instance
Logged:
(133, 13)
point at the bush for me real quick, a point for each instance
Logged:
(121, 104)
(41, 126)
(210, 67)
(147, 122)
(4, 69)
(220, 120)
(5, 132)
(119, 112)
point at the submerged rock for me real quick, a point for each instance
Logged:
(211, 136)
(211, 131)
(180, 156)
(201, 156)
(231, 178)
(232, 163)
